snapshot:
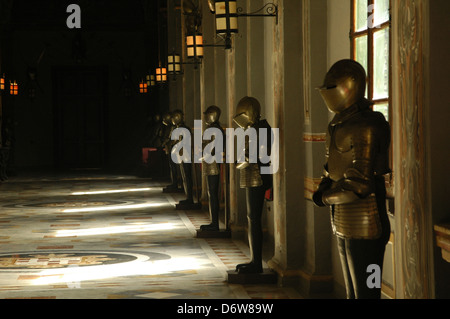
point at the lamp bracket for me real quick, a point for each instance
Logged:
(226, 45)
(214, 45)
(270, 9)
(196, 63)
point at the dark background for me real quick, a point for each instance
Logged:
(87, 112)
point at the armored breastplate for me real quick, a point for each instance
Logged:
(340, 154)
(357, 147)
(360, 141)
(213, 168)
(250, 176)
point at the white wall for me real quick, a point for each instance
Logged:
(338, 30)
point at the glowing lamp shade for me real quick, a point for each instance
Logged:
(174, 64)
(161, 75)
(194, 45)
(226, 17)
(13, 88)
(2, 83)
(150, 79)
(143, 87)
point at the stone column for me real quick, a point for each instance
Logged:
(236, 84)
(302, 255)
(230, 102)
(316, 271)
(207, 81)
(413, 237)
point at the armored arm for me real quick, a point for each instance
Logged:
(324, 185)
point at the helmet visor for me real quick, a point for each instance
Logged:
(242, 120)
(340, 96)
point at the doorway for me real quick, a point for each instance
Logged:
(80, 101)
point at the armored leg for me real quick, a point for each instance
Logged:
(356, 255)
(255, 202)
(186, 173)
(173, 174)
(214, 206)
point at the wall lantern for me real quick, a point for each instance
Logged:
(2, 83)
(194, 40)
(174, 64)
(226, 20)
(13, 88)
(227, 13)
(161, 74)
(143, 87)
(150, 79)
(194, 45)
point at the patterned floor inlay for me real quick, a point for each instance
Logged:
(111, 237)
(43, 260)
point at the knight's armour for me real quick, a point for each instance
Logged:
(248, 114)
(357, 151)
(212, 116)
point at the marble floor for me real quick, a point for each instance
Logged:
(112, 237)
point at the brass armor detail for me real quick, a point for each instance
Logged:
(248, 113)
(357, 146)
(357, 156)
(166, 133)
(212, 116)
(212, 168)
(344, 85)
(357, 220)
(178, 122)
(250, 176)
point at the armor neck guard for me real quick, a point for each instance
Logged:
(361, 106)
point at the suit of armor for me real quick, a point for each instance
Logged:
(212, 171)
(256, 184)
(353, 186)
(156, 132)
(185, 168)
(167, 144)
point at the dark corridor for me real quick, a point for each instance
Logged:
(80, 103)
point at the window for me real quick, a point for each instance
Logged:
(370, 46)
(370, 43)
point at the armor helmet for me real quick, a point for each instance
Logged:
(248, 112)
(177, 117)
(167, 119)
(344, 85)
(212, 114)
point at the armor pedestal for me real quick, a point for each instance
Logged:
(213, 234)
(172, 190)
(267, 277)
(188, 206)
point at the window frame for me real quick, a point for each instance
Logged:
(370, 32)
